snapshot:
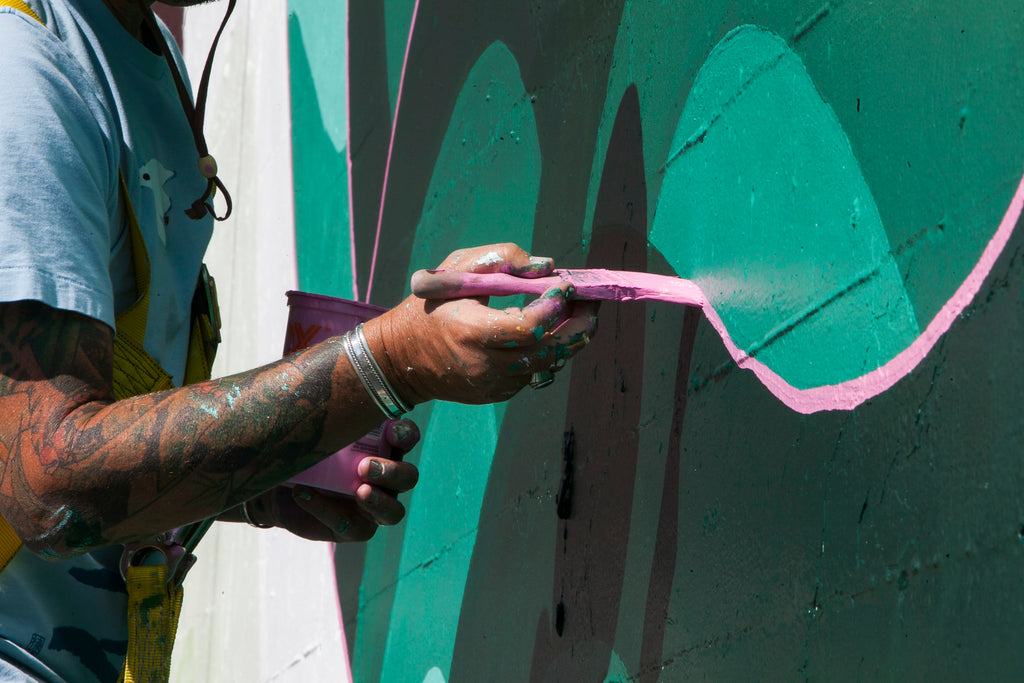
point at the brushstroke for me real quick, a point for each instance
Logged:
(765, 208)
(850, 394)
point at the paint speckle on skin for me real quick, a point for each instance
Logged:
(61, 517)
(537, 265)
(233, 396)
(285, 380)
(489, 259)
(522, 364)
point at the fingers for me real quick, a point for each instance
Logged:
(341, 519)
(391, 475)
(402, 435)
(569, 336)
(381, 506)
(320, 515)
(515, 327)
(573, 333)
(499, 258)
(463, 350)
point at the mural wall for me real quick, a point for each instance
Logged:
(818, 475)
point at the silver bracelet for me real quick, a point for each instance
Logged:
(376, 384)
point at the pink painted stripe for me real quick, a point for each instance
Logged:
(391, 148)
(850, 394)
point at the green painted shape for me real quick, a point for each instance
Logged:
(444, 513)
(378, 585)
(487, 176)
(317, 55)
(618, 672)
(484, 189)
(763, 204)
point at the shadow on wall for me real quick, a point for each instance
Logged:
(830, 177)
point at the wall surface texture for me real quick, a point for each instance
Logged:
(842, 180)
(816, 476)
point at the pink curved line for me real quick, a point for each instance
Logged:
(391, 148)
(851, 393)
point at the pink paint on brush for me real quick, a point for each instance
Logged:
(625, 286)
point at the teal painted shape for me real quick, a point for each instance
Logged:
(764, 205)
(483, 189)
(487, 176)
(318, 57)
(441, 527)
(618, 672)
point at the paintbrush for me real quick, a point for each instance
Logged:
(590, 283)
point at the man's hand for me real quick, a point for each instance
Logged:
(325, 516)
(462, 350)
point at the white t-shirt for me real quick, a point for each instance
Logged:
(80, 99)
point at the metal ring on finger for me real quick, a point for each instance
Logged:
(541, 379)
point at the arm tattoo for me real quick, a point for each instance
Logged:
(79, 470)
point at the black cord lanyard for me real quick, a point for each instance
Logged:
(195, 114)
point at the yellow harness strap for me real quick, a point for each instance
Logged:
(10, 544)
(135, 371)
(154, 604)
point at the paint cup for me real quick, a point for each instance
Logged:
(311, 319)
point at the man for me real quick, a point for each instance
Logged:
(88, 103)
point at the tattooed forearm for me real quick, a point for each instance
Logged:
(79, 470)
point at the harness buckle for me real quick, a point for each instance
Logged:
(175, 545)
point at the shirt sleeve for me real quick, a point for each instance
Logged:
(58, 175)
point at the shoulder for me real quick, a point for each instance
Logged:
(40, 51)
(30, 21)
(46, 84)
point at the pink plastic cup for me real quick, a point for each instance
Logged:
(311, 319)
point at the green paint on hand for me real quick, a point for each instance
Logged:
(765, 207)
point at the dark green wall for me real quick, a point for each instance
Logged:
(830, 173)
